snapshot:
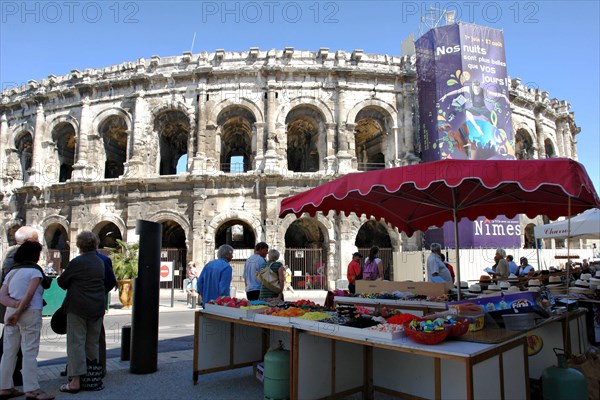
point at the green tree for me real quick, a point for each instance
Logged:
(125, 260)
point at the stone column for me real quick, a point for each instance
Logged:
(258, 145)
(407, 100)
(39, 163)
(199, 157)
(539, 130)
(346, 156)
(134, 166)
(271, 157)
(4, 135)
(330, 164)
(81, 149)
(198, 227)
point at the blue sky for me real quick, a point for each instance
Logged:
(551, 45)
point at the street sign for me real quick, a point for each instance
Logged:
(166, 271)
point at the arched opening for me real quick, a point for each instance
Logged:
(370, 137)
(24, 145)
(174, 249)
(113, 131)
(304, 128)
(373, 233)
(236, 139)
(108, 233)
(306, 254)
(524, 149)
(549, 147)
(173, 129)
(529, 237)
(57, 240)
(239, 235)
(63, 136)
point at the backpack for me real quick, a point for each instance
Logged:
(369, 271)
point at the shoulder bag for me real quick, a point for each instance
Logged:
(269, 278)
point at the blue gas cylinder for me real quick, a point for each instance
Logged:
(277, 374)
(562, 382)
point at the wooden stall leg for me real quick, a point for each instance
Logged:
(198, 315)
(469, 374)
(295, 347)
(368, 392)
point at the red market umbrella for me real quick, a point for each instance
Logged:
(417, 197)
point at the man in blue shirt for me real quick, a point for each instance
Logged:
(215, 278)
(253, 264)
(512, 266)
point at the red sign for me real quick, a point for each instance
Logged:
(164, 271)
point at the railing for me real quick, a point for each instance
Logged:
(370, 166)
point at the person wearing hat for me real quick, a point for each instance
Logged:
(354, 272)
(525, 269)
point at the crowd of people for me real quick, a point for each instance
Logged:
(87, 279)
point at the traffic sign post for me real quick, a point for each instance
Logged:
(166, 275)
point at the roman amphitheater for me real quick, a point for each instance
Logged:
(209, 144)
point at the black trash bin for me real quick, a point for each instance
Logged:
(125, 342)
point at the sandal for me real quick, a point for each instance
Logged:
(66, 388)
(38, 395)
(10, 393)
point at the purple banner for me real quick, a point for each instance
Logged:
(464, 113)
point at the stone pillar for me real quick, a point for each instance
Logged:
(39, 164)
(271, 157)
(345, 239)
(82, 147)
(137, 145)
(406, 141)
(539, 130)
(4, 135)
(330, 164)
(258, 145)
(198, 227)
(212, 164)
(199, 157)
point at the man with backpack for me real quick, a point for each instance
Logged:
(354, 272)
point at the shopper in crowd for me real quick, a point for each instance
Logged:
(354, 272)
(502, 270)
(215, 278)
(450, 267)
(22, 235)
(436, 269)
(277, 268)
(192, 278)
(251, 267)
(373, 267)
(22, 294)
(512, 266)
(288, 279)
(84, 304)
(525, 269)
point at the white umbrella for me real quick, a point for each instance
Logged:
(583, 226)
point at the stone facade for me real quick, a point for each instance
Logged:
(99, 149)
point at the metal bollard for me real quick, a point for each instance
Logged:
(125, 342)
(189, 298)
(194, 301)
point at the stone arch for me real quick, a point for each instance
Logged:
(18, 130)
(524, 143)
(114, 127)
(171, 215)
(98, 223)
(64, 131)
(244, 216)
(312, 102)
(223, 105)
(550, 148)
(373, 142)
(55, 219)
(386, 108)
(24, 146)
(173, 105)
(108, 232)
(56, 236)
(238, 138)
(174, 127)
(305, 138)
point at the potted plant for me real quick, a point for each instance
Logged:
(125, 266)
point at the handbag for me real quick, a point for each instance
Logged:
(270, 279)
(58, 323)
(92, 380)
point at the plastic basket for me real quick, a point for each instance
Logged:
(459, 328)
(424, 337)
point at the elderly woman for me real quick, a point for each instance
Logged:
(83, 279)
(279, 269)
(502, 268)
(22, 294)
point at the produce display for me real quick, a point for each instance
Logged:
(229, 302)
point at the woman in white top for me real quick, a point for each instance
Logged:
(22, 294)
